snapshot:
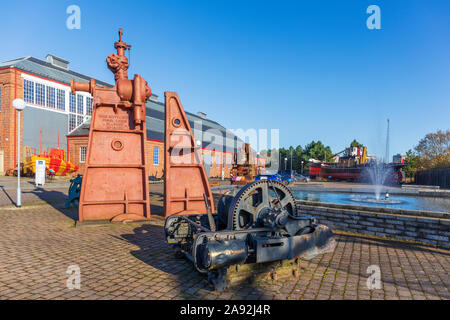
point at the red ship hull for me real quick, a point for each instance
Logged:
(358, 173)
(335, 173)
(314, 169)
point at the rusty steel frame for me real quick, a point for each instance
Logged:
(115, 181)
(185, 180)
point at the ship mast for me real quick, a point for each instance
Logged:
(387, 142)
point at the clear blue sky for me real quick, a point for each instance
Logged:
(310, 68)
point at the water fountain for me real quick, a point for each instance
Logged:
(378, 173)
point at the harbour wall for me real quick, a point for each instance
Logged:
(420, 226)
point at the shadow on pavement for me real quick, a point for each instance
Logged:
(8, 196)
(157, 253)
(154, 251)
(56, 199)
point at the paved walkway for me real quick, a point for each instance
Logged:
(133, 261)
(52, 192)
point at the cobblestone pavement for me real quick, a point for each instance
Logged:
(133, 261)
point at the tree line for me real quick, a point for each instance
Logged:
(432, 152)
(314, 150)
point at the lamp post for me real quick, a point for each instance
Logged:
(285, 163)
(291, 159)
(302, 167)
(19, 105)
(257, 163)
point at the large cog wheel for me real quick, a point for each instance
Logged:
(257, 197)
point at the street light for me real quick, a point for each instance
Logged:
(257, 163)
(285, 163)
(19, 105)
(302, 167)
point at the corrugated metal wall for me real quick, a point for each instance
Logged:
(51, 123)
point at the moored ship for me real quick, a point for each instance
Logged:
(353, 165)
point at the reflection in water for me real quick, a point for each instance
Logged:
(395, 201)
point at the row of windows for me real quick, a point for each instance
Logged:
(50, 97)
(224, 159)
(155, 157)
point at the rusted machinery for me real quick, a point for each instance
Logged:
(244, 170)
(259, 224)
(115, 181)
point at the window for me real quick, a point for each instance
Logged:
(28, 91)
(60, 99)
(50, 96)
(79, 120)
(72, 103)
(88, 106)
(72, 121)
(155, 156)
(217, 161)
(223, 161)
(83, 154)
(229, 162)
(80, 104)
(40, 94)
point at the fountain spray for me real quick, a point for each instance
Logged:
(387, 142)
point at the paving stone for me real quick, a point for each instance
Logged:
(133, 261)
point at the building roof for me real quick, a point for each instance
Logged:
(206, 130)
(47, 70)
(209, 132)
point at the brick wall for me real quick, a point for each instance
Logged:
(431, 228)
(156, 170)
(73, 150)
(11, 83)
(216, 167)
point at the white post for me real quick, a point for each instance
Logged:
(19, 105)
(291, 159)
(19, 192)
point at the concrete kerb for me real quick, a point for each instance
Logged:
(391, 190)
(378, 210)
(402, 224)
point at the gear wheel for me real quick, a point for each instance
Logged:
(257, 197)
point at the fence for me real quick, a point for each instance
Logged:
(434, 177)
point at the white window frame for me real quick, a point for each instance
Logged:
(156, 163)
(36, 80)
(83, 153)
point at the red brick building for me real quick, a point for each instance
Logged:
(55, 118)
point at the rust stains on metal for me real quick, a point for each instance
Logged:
(115, 182)
(185, 182)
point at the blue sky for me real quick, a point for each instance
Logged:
(309, 68)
